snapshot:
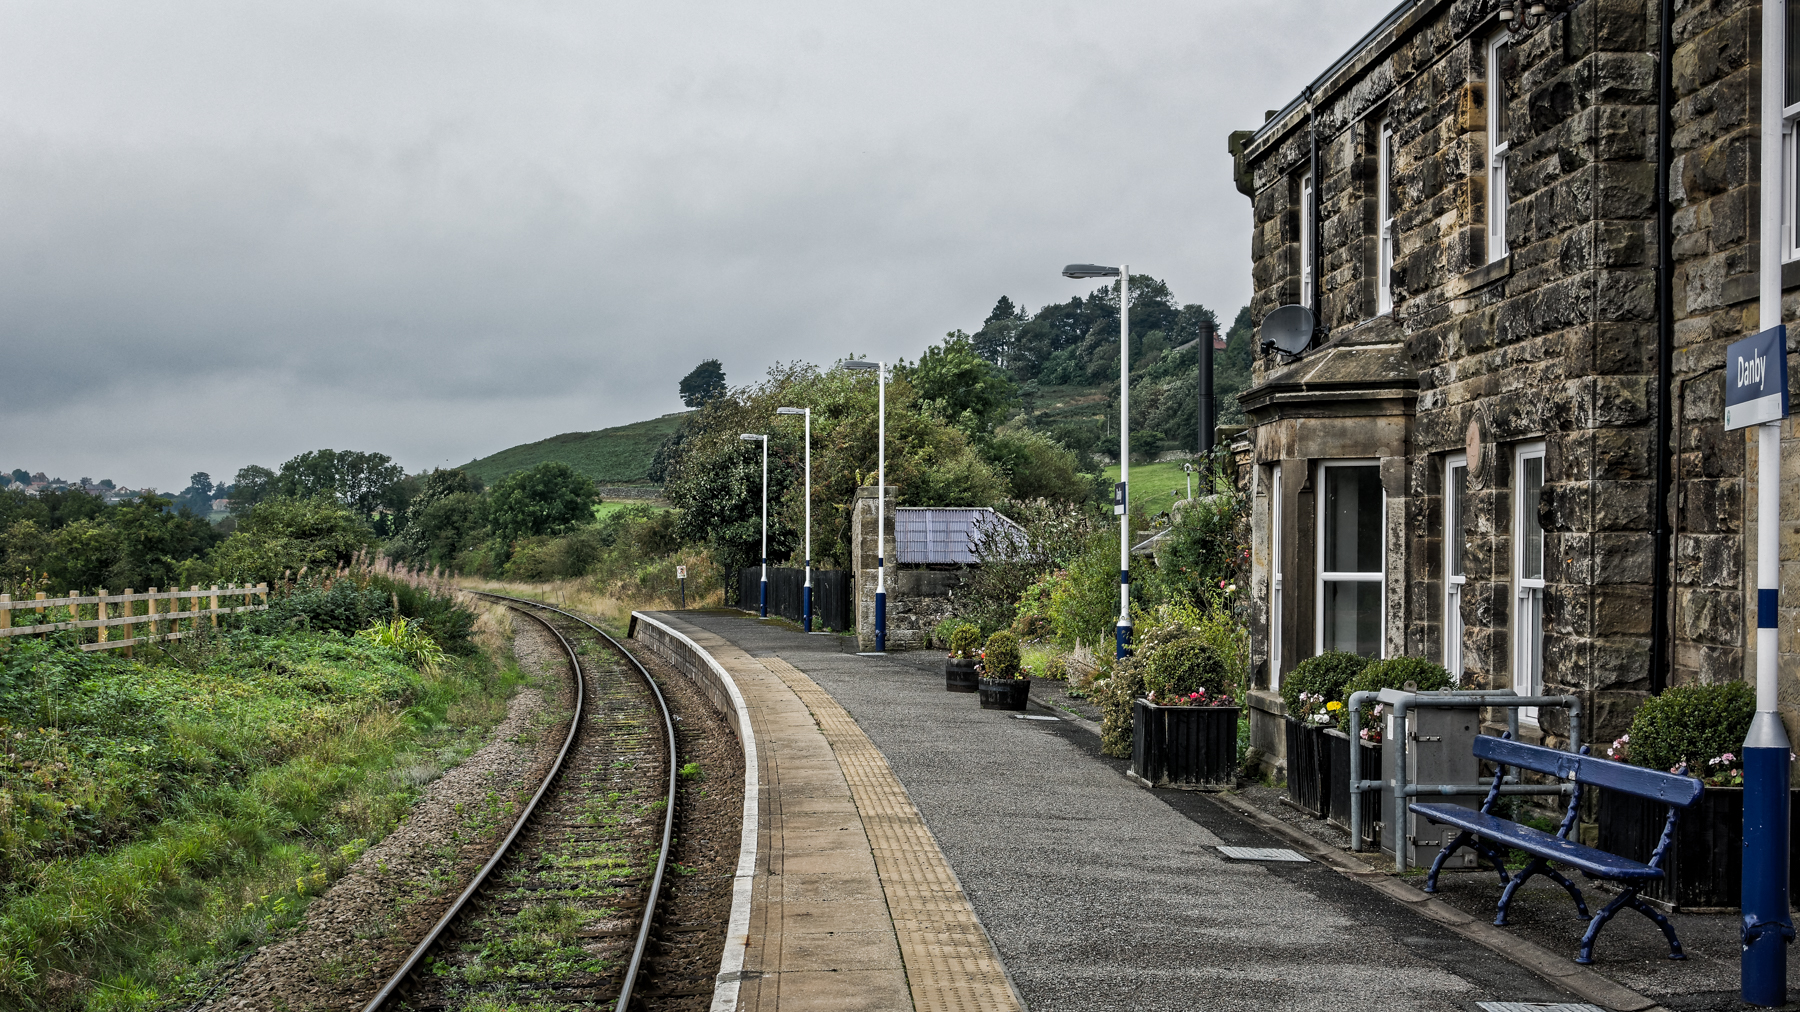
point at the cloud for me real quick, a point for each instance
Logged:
(236, 232)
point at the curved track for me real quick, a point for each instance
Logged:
(586, 800)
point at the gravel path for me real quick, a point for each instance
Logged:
(358, 933)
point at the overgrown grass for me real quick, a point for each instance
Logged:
(161, 817)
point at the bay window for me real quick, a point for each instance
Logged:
(1351, 538)
(1528, 576)
(1456, 493)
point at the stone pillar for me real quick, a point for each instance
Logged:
(862, 562)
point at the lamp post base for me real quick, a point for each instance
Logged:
(881, 621)
(1122, 640)
(1768, 927)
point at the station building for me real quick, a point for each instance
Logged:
(1503, 394)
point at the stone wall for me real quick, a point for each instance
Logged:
(917, 599)
(1555, 342)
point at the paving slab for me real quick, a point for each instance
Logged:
(1098, 894)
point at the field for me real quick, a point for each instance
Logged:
(619, 455)
(611, 506)
(1154, 486)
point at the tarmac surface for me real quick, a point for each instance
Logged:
(1099, 894)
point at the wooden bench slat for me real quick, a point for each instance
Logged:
(1537, 842)
(1586, 769)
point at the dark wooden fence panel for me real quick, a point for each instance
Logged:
(832, 608)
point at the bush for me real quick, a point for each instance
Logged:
(1325, 675)
(344, 607)
(965, 641)
(1392, 673)
(1177, 669)
(1691, 724)
(1001, 658)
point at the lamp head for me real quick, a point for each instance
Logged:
(1089, 271)
(752, 436)
(859, 366)
(792, 411)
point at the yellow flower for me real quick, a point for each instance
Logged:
(1334, 705)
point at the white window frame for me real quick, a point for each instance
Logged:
(1528, 593)
(1790, 160)
(1275, 578)
(1454, 582)
(1497, 146)
(1384, 213)
(1323, 577)
(1306, 240)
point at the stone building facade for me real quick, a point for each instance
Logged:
(1462, 463)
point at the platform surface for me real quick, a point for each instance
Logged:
(1095, 893)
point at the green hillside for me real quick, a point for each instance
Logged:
(619, 455)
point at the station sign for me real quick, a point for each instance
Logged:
(1756, 389)
(680, 572)
(1119, 499)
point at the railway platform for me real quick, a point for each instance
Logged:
(919, 852)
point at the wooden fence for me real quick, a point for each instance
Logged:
(160, 619)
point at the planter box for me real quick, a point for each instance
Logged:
(960, 675)
(1705, 864)
(1184, 746)
(1005, 693)
(1308, 768)
(1337, 751)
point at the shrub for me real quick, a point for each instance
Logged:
(1392, 673)
(1324, 675)
(1692, 724)
(965, 641)
(344, 607)
(1001, 658)
(1186, 669)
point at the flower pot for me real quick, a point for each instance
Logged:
(1337, 784)
(1705, 864)
(1308, 767)
(1184, 746)
(1005, 693)
(960, 675)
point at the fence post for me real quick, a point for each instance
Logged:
(215, 605)
(100, 613)
(74, 614)
(40, 596)
(5, 611)
(128, 609)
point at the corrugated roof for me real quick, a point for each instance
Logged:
(940, 534)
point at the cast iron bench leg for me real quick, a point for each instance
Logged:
(1571, 888)
(1463, 839)
(1533, 867)
(1628, 898)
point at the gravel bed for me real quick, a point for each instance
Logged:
(360, 931)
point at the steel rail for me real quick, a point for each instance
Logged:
(668, 834)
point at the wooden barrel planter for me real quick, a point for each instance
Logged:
(1005, 693)
(1705, 864)
(1308, 768)
(960, 675)
(1190, 747)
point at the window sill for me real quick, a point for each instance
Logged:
(1481, 276)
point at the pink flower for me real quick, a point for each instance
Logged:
(1193, 695)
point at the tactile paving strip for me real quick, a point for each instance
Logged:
(951, 964)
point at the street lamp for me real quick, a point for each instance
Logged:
(1189, 470)
(1121, 501)
(764, 439)
(880, 369)
(806, 593)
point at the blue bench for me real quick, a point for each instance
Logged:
(1490, 835)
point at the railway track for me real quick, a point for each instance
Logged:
(564, 913)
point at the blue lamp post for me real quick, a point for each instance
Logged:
(1121, 494)
(764, 440)
(806, 593)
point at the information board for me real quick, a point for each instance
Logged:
(1756, 389)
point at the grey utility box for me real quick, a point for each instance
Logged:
(1440, 747)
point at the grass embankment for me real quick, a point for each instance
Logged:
(1155, 487)
(612, 611)
(161, 817)
(611, 506)
(621, 454)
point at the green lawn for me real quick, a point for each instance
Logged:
(1154, 486)
(611, 506)
(620, 455)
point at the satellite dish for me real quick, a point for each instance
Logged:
(1289, 329)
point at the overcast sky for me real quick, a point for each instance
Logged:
(232, 232)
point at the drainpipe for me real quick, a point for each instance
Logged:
(1665, 355)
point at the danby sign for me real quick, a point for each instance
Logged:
(1756, 389)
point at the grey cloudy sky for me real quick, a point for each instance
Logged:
(233, 232)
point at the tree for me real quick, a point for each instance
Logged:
(1038, 466)
(704, 385)
(252, 485)
(958, 385)
(155, 543)
(21, 476)
(284, 533)
(198, 496)
(544, 499)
